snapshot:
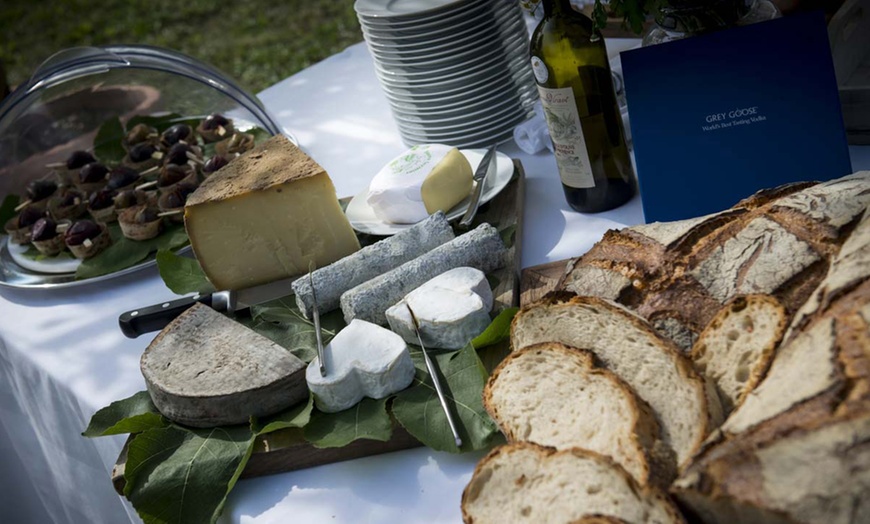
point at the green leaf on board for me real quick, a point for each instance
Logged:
(182, 275)
(124, 253)
(294, 417)
(130, 415)
(281, 321)
(462, 378)
(108, 142)
(367, 420)
(7, 208)
(182, 476)
(499, 329)
(509, 235)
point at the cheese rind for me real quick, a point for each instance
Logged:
(451, 309)
(367, 263)
(362, 360)
(266, 216)
(481, 248)
(205, 369)
(423, 180)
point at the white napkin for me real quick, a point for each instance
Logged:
(532, 135)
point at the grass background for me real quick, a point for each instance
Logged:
(255, 42)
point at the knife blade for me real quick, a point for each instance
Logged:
(487, 165)
(154, 318)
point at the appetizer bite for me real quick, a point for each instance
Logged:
(47, 236)
(122, 178)
(177, 133)
(215, 127)
(67, 171)
(101, 205)
(213, 164)
(140, 222)
(86, 238)
(235, 145)
(142, 156)
(19, 226)
(92, 177)
(68, 203)
(140, 134)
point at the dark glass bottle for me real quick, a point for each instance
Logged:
(574, 80)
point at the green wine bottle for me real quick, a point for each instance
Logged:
(573, 75)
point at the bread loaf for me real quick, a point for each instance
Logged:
(554, 395)
(524, 482)
(677, 275)
(626, 345)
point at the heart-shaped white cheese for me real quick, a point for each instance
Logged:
(362, 360)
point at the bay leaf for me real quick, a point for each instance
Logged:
(108, 147)
(182, 476)
(182, 275)
(130, 415)
(419, 410)
(367, 420)
(294, 417)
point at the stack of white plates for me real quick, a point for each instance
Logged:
(455, 72)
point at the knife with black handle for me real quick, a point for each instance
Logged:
(154, 318)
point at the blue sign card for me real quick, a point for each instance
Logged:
(714, 118)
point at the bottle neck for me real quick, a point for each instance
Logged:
(557, 7)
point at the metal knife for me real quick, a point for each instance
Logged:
(154, 318)
(487, 165)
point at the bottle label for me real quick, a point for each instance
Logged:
(540, 70)
(563, 120)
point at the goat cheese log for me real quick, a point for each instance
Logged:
(481, 248)
(333, 280)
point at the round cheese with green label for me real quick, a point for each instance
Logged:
(425, 179)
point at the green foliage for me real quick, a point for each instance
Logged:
(107, 144)
(176, 475)
(632, 12)
(368, 419)
(131, 415)
(294, 417)
(7, 208)
(182, 275)
(282, 322)
(497, 331)
(419, 411)
(124, 253)
(257, 43)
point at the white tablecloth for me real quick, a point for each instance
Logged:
(62, 356)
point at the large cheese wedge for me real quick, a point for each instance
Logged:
(205, 369)
(423, 180)
(267, 215)
(451, 309)
(362, 360)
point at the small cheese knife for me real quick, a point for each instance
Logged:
(430, 366)
(487, 164)
(154, 318)
(315, 315)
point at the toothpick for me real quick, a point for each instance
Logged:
(146, 185)
(171, 213)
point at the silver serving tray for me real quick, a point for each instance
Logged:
(14, 276)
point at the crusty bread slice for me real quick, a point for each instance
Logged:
(524, 482)
(555, 396)
(626, 344)
(735, 350)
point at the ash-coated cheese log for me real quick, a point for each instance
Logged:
(481, 248)
(333, 280)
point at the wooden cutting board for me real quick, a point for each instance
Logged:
(287, 450)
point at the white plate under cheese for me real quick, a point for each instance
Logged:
(363, 219)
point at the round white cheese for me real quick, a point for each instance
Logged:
(419, 182)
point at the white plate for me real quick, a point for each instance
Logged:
(362, 217)
(48, 265)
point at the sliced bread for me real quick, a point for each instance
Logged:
(624, 343)
(524, 482)
(735, 350)
(554, 395)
